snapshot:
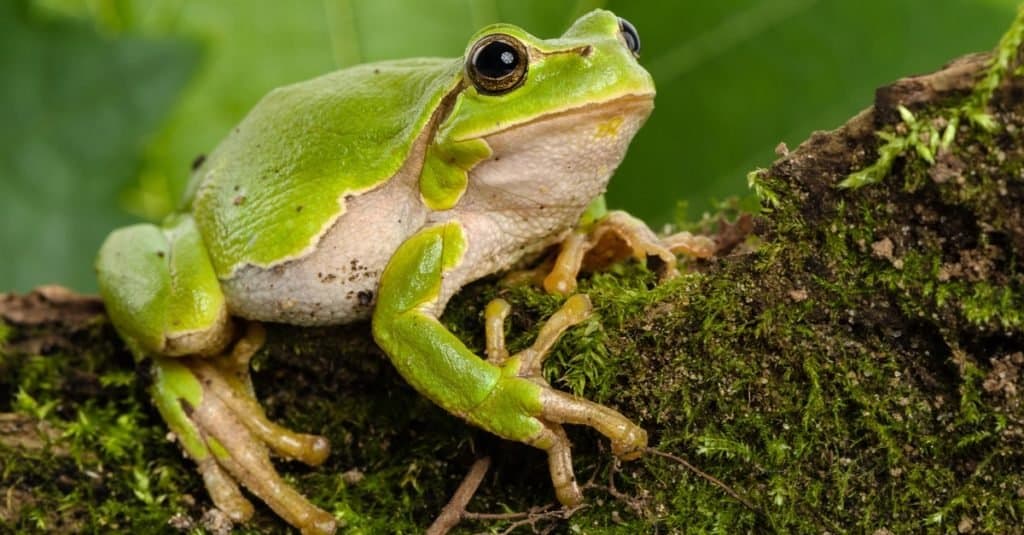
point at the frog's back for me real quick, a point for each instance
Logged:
(274, 187)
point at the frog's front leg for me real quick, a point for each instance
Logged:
(628, 440)
(616, 236)
(164, 299)
(505, 395)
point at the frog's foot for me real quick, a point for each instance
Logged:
(209, 404)
(616, 237)
(556, 408)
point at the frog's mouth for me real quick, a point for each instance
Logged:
(627, 105)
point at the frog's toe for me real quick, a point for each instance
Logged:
(615, 237)
(557, 407)
(630, 444)
(555, 442)
(619, 236)
(245, 457)
(224, 491)
(691, 245)
(575, 310)
(628, 439)
(210, 408)
(561, 279)
(309, 449)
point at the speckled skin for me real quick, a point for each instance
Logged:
(525, 197)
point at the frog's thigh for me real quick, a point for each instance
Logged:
(161, 290)
(163, 296)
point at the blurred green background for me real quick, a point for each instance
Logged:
(105, 103)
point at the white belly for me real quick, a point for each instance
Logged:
(337, 282)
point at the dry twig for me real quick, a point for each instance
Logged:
(707, 477)
(455, 509)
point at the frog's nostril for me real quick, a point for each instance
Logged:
(586, 51)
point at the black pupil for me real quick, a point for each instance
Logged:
(496, 59)
(629, 33)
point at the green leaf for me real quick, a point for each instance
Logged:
(75, 111)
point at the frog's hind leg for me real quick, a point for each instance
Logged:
(615, 237)
(164, 298)
(209, 404)
(228, 377)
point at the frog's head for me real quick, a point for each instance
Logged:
(556, 114)
(594, 62)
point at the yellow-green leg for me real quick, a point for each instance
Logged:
(209, 404)
(163, 295)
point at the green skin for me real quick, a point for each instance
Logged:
(268, 194)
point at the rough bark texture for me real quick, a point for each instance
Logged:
(855, 364)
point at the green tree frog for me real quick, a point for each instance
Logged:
(377, 192)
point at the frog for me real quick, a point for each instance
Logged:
(376, 193)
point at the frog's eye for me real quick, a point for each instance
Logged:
(497, 64)
(630, 36)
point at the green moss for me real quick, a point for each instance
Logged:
(93, 465)
(922, 137)
(918, 289)
(1004, 63)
